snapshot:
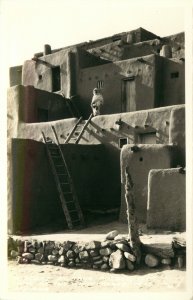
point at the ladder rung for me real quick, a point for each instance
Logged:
(67, 202)
(59, 166)
(73, 210)
(65, 183)
(65, 193)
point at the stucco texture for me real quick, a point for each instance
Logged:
(112, 74)
(32, 70)
(166, 200)
(140, 163)
(103, 128)
(22, 106)
(15, 75)
(177, 132)
(33, 200)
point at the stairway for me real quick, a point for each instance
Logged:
(63, 180)
(78, 130)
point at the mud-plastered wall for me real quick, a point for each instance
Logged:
(39, 73)
(173, 77)
(139, 162)
(111, 75)
(15, 75)
(177, 132)
(33, 201)
(24, 113)
(166, 200)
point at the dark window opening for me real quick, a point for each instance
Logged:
(122, 142)
(100, 84)
(42, 115)
(174, 75)
(40, 77)
(141, 159)
(147, 138)
(56, 82)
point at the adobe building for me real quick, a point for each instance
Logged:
(141, 126)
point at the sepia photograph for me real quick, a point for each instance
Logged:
(98, 166)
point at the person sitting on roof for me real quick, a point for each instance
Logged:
(97, 102)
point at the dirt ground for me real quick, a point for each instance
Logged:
(48, 278)
(34, 278)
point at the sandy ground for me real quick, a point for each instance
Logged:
(47, 278)
(33, 278)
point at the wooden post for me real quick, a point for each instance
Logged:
(135, 242)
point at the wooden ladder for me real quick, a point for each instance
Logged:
(63, 180)
(78, 130)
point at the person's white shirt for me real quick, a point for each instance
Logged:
(97, 98)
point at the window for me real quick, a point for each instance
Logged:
(100, 84)
(56, 83)
(174, 75)
(122, 142)
(42, 115)
(147, 138)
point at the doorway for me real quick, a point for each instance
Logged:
(128, 101)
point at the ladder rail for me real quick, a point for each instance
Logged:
(60, 150)
(70, 179)
(73, 130)
(83, 129)
(62, 199)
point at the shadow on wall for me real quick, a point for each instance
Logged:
(34, 202)
(93, 176)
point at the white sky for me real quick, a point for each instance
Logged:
(30, 24)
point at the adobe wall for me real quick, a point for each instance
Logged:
(173, 88)
(39, 73)
(33, 202)
(169, 128)
(112, 74)
(32, 195)
(103, 128)
(166, 200)
(121, 50)
(86, 59)
(140, 163)
(177, 132)
(15, 75)
(36, 99)
(177, 43)
(93, 175)
(22, 106)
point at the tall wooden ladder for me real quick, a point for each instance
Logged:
(78, 130)
(64, 183)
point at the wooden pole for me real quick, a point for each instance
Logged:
(135, 242)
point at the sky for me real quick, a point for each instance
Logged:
(28, 25)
